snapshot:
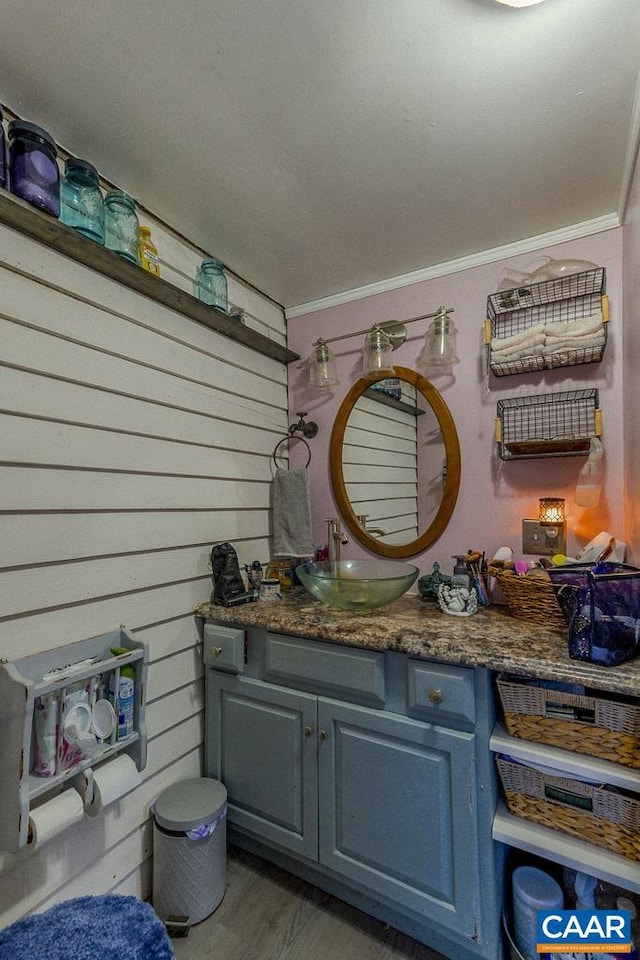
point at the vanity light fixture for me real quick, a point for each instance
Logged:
(377, 353)
(322, 366)
(380, 341)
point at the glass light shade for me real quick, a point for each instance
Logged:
(440, 343)
(551, 510)
(377, 353)
(322, 366)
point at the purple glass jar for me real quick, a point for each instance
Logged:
(33, 166)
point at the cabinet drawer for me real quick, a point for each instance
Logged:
(357, 674)
(224, 648)
(441, 692)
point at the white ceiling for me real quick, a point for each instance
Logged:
(317, 146)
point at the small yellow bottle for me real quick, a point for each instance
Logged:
(148, 252)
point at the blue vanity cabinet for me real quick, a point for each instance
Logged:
(261, 744)
(397, 816)
(368, 777)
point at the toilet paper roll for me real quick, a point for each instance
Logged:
(54, 817)
(111, 781)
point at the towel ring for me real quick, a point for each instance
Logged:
(286, 440)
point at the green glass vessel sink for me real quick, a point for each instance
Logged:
(357, 584)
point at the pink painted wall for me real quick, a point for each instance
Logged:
(494, 495)
(631, 275)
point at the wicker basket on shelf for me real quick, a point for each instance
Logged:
(531, 598)
(599, 816)
(598, 726)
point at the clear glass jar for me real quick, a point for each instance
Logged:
(81, 203)
(33, 166)
(212, 284)
(121, 225)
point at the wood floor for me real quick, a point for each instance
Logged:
(268, 914)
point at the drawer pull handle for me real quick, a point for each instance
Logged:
(435, 696)
(307, 730)
(322, 734)
(216, 651)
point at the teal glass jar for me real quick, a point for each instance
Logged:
(81, 203)
(212, 285)
(121, 225)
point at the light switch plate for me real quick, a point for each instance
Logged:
(537, 538)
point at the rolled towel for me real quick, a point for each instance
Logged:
(292, 533)
(566, 329)
(520, 350)
(515, 339)
(580, 343)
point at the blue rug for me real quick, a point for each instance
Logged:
(111, 927)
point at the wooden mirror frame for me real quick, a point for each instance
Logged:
(452, 452)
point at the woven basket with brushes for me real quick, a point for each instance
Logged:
(531, 598)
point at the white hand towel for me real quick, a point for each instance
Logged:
(555, 345)
(292, 533)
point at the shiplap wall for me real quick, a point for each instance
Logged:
(381, 468)
(132, 440)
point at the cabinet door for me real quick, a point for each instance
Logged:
(398, 811)
(262, 745)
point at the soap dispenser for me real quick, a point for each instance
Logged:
(460, 576)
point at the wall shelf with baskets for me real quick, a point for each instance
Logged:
(548, 425)
(541, 326)
(569, 767)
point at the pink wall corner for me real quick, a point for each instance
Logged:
(631, 277)
(494, 495)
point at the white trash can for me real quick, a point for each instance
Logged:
(189, 852)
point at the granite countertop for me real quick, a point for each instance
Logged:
(490, 638)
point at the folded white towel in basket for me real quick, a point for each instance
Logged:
(292, 532)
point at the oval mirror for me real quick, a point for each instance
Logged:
(394, 461)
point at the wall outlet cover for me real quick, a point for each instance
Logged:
(543, 539)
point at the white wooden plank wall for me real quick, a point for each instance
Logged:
(380, 468)
(132, 439)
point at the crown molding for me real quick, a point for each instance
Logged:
(574, 232)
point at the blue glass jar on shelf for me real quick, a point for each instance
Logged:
(81, 203)
(121, 225)
(212, 284)
(33, 166)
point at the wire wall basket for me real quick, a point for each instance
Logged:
(540, 326)
(548, 425)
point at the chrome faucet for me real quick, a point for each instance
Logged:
(362, 520)
(336, 538)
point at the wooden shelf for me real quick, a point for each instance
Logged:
(20, 216)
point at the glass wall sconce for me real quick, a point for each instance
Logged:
(377, 353)
(440, 342)
(322, 366)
